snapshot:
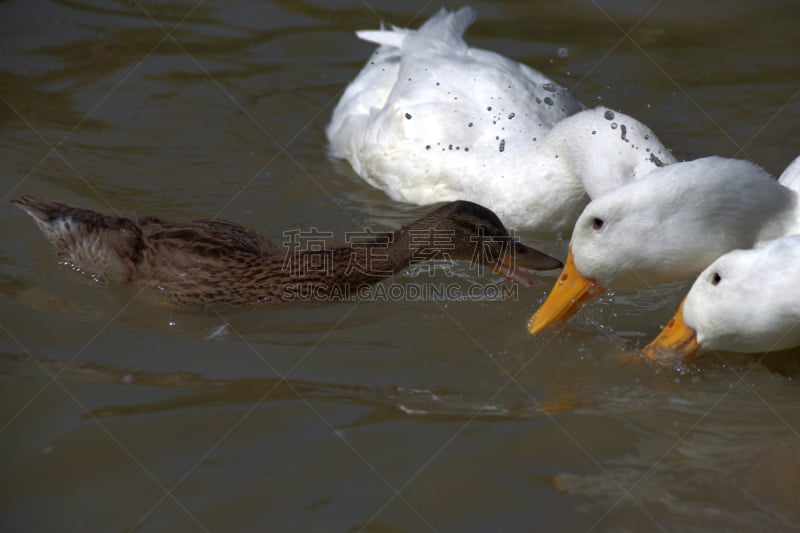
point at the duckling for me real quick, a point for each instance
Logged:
(217, 262)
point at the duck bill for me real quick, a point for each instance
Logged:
(570, 292)
(524, 257)
(676, 338)
(508, 269)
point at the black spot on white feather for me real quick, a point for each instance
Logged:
(656, 161)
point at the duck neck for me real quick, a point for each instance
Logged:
(606, 148)
(367, 257)
(377, 256)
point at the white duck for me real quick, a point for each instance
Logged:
(745, 301)
(669, 226)
(430, 119)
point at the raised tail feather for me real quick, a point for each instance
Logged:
(103, 245)
(446, 27)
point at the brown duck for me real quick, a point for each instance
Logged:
(216, 262)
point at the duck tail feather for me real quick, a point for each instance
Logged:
(444, 27)
(393, 38)
(106, 246)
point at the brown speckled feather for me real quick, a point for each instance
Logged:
(216, 262)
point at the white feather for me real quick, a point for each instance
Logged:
(429, 119)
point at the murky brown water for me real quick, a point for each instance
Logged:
(395, 416)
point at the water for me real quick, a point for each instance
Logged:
(120, 414)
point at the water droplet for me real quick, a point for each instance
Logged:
(562, 52)
(613, 125)
(548, 100)
(489, 108)
(538, 100)
(609, 115)
(646, 137)
(510, 116)
(551, 87)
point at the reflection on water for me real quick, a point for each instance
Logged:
(154, 410)
(197, 392)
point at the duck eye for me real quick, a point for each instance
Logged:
(716, 278)
(597, 223)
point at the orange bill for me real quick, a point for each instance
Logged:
(570, 292)
(675, 338)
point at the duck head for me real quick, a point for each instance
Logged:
(474, 233)
(664, 227)
(745, 301)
